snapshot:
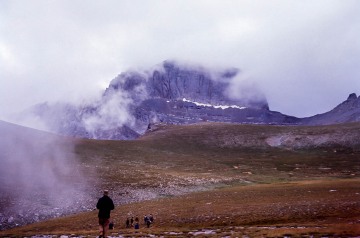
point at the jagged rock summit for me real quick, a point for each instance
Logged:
(171, 81)
(169, 93)
(351, 97)
(175, 94)
(172, 93)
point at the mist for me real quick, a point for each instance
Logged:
(304, 56)
(39, 177)
(112, 111)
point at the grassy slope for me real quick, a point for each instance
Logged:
(323, 207)
(208, 154)
(199, 151)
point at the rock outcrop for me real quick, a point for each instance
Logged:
(347, 111)
(173, 82)
(175, 94)
(184, 95)
(169, 93)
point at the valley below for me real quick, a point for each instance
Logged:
(207, 179)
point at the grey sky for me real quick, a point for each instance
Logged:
(304, 55)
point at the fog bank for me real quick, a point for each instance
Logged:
(39, 177)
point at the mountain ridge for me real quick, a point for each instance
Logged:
(347, 111)
(174, 94)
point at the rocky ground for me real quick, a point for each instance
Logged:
(31, 209)
(227, 232)
(317, 208)
(176, 161)
(36, 206)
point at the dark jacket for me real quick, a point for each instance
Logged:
(105, 205)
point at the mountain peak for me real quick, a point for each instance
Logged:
(352, 96)
(175, 81)
(176, 93)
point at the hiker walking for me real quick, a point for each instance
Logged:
(137, 225)
(105, 205)
(145, 219)
(148, 222)
(128, 222)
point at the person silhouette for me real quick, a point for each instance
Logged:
(105, 204)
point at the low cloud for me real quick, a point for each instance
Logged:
(39, 177)
(66, 50)
(246, 90)
(112, 112)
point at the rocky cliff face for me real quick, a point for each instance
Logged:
(174, 94)
(183, 95)
(173, 82)
(169, 93)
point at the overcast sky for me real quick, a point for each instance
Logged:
(304, 55)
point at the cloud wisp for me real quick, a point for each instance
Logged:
(39, 177)
(304, 55)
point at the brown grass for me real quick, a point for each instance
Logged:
(199, 151)
(255, 191)
(298, 208)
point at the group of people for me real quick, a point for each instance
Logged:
(131, 222)
(105, 204)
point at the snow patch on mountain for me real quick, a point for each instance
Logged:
(213, 106)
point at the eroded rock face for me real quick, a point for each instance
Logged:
(184, 95)
(173, 82)
(168, 93)
(174, 94)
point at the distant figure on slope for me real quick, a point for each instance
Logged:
(148, 222)
(151, 218)
(111, 225)
(137, 225)
(145, 219)
(105, 205)
(128, 222)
